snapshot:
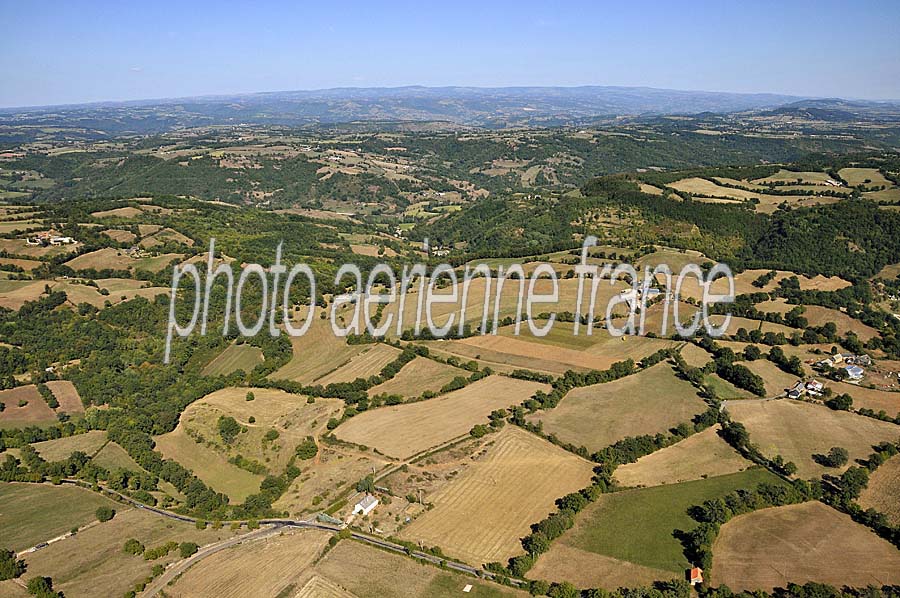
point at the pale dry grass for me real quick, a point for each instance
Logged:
(34, 413)
(481, 515)
(67, 395)
(123, 212)
(705, 187)
(859, 176)
(291, 415)
(649, 402)
(419, 375)
(316, 353)
(406, 430)
(883, 491)
(369, 362)
(60, 448)
(698, 456)
(262, 568)
(819, 316)
(776, 381)
(120, 236)
(367, 572)
(869, 398)
(797, 430)
(799, 543)
(92, 563)
(789, 176)
(588, 569)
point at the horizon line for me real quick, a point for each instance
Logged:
(212, 96)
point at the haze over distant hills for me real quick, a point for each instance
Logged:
(457, 106)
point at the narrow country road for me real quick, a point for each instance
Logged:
(181, 566)
(273, 526)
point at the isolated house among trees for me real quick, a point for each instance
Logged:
(695, 575)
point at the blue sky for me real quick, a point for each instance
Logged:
(67, 52)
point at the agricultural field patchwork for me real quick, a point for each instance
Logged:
(632, 531)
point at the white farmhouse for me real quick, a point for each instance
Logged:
(365, 506)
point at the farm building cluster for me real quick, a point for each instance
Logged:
(853, 366)
(811, 387)
(45, 238)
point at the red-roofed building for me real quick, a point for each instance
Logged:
(695, 575)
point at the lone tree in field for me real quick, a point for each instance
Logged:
(836, 457)
(228, 428)
(133, 546)
(10, 567)
(42, 587)
(307, 449)
(104, 513)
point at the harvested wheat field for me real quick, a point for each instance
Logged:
(34, 412)
(883, 491)
(480, 516)
(235, 357)
(648, 402)
(369, 362)
(406, 430)
(273, 566)
(418, 376)
(316, 353)
(698, 456)
(67, 395)
(798, 543)
(93, 558)
(560, 350)
(60, 448)
(367, 572)
(797, 431)
(474, 304)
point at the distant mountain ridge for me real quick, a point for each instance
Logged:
(462, 106)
